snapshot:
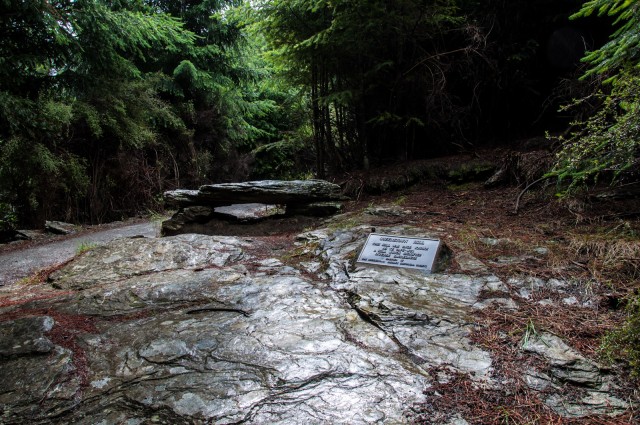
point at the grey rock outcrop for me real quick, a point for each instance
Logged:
(211, 329)
(566, 366)
(25, 336)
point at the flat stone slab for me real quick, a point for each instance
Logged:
(292, 192)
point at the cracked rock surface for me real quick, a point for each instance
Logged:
(209, 329)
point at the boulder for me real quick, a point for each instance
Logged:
(59, 227)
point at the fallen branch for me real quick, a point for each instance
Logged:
(529, 186)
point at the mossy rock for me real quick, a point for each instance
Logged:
(471, 172)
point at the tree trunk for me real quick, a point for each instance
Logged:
(317, 124)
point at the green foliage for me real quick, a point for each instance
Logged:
(84, 247)
(102, 103)
(280, 159)
(8, 218)
(607, 143)
(624, 343)
(623, 50)
(374, 70)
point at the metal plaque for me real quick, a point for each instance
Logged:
(400, 251)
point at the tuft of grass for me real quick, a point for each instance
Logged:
(84, 247)
(529, 332)
(156, 216)
(610, 257)
(400, 200)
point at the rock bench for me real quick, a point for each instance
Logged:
(197, 208)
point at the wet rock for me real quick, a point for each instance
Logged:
(223, 345)
(193, 329)
(426, 316)
(566, 364)
(567, 367)
(37, 386)
(124, 258)
(278, 352)
(470, 264)
(431, 333)
(181, 197)
(592, 403)
(538, 381)
(37, 376)
(25, 336)
(188, 215)
(387, 211)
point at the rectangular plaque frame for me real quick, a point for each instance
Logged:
(400, 251)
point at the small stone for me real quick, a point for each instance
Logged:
(566, 364)
(470, 264)
(59, 227)
(490, 241)
(100, 383)
(387, 211)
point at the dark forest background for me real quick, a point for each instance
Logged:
(106, 104)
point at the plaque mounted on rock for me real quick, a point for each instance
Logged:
(429, 255)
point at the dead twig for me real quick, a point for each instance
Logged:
(529, 186)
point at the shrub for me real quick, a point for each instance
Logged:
(624, 342)
(8, 218)
(606, 144)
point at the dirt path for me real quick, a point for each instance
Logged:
(22, 262)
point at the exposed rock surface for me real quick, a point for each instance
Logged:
(214, 329)
(567, 366)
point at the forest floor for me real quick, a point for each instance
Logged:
(591, 240)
